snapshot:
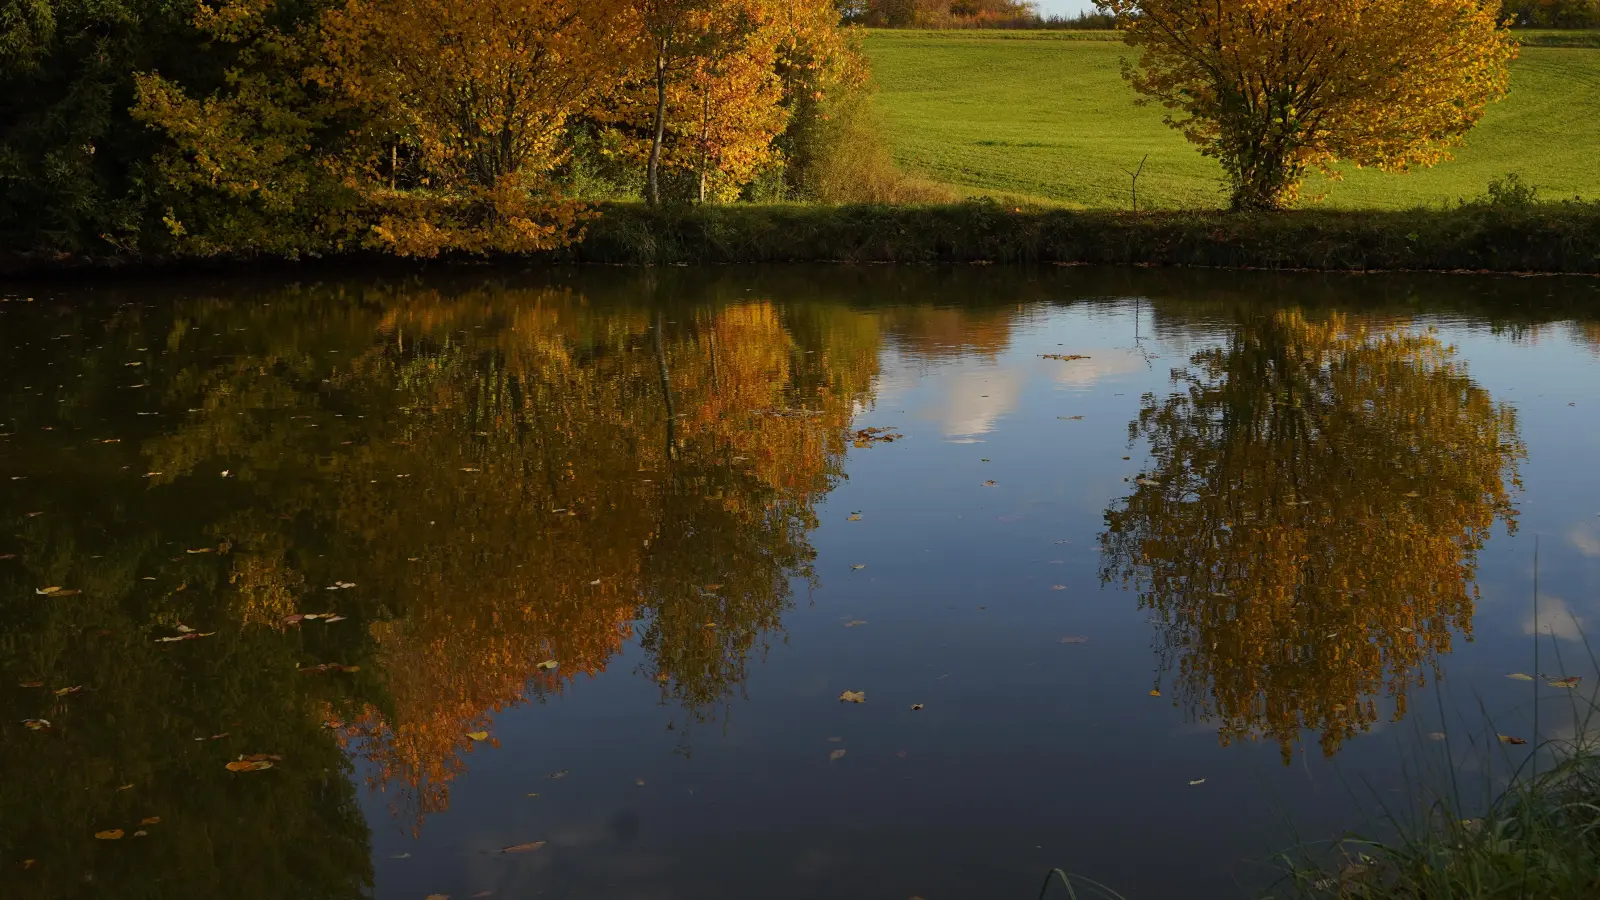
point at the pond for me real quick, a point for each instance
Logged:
(564, 583)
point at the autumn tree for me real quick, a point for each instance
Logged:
(478, 93)
(1306, 534)
(1274, 89)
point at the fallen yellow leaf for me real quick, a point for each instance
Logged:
(522, 848)
(478, 735)
(248, 765)
(853, 697)
(1569, 682)
(150, 820)
(110, 834)
(837, 754)
(1155, 693)
(1508, 739)
(1518, 676)
(547, 664)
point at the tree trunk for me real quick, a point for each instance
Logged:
(654, 172)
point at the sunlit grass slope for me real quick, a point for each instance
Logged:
(1046, 116)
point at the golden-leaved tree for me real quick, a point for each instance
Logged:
(477, 93)
(1277, 88)
(716, 82)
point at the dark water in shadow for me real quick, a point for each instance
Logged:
(601, 551)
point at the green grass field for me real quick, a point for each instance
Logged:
(1046, 117)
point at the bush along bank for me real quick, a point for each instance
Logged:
(1531, 238)
(1538, 237)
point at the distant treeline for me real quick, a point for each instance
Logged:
(1021, 14)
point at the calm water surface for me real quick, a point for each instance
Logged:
(1144, 574)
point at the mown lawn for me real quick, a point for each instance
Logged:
(1046, 116)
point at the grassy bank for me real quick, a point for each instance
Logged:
(1047, 116)
(1538, 238)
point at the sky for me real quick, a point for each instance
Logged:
(1063, 7)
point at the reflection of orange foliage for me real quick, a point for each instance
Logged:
(934, 333)
(544, 511)
(1588, 333)
(1309, 527)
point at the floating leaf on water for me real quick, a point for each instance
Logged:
(36, 724)
(1074, 639)
(858, 566)
(478, 735)
(1518, 676)
(401, 856)
(62, 692)
(1568, 682)
(1063, 357)
(854, 622)
(853, 697)
(853, 517)
(1149, 482)
(125, 787)
(1070, 418)
(836, 755)
(1508, 739)
(1197, 781)
(1405, 630)
(470, 469)
(916, 706)
(522, 848)
(1155, 693)
(714, 587)
(248, 765)
(533, 795)
(110, 834)
(990, 483)
(557, 776)
(46, 591)
(1436, 735)
(203, 550)
(1058, 587)
(547, 664)
(30, 684)
(150, 820)
(332, 619)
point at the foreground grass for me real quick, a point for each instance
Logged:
(1539, 838)
(1536, 238)
(1046, 116)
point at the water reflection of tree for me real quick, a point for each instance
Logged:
(541, 516)
(1306, 534)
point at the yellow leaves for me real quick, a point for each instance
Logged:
(853, 697)
(36, 724)
(1508, 739)
(523, 848)
(150, 820)
(1569, 682)
(547, 665)
(1273, 92)
(110, 834)
(1519, 676)
(478, 735)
